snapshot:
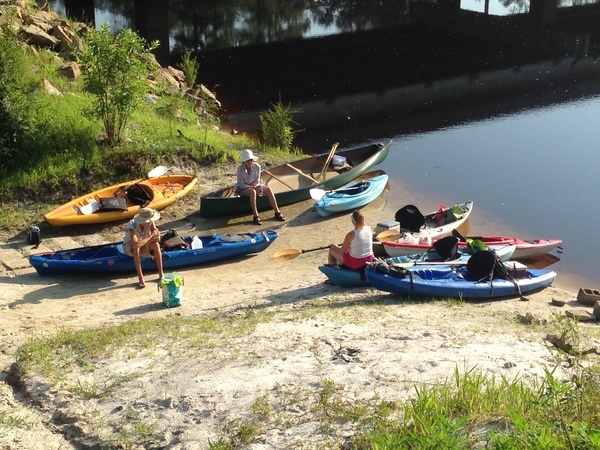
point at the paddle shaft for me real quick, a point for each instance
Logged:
(315, 249)
(278, 179)
(329, 158)
(302, 173)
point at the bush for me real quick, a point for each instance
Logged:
(115, 68)
(277, 126)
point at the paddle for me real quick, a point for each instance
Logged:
(388, 236)
(329, 158)
(288, 254)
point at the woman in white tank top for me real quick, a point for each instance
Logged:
(357, 249)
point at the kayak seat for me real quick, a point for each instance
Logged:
(446, 247)
(481, 266)
(410, 218)
(137, 195)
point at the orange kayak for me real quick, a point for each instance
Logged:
(122, 201)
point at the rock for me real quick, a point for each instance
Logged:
(582, 315)
(50, 89)
(37, 36)
(70, 70)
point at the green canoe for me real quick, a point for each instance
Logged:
(291, 182)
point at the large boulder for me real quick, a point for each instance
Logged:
(37, 36)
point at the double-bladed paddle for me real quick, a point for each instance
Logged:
(287, 254)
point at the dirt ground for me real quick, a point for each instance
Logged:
(400, 342)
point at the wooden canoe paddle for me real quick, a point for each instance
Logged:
(329, 158)
(287, 254)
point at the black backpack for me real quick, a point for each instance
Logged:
(410, 218)
(485, 265)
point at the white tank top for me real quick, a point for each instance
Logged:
(362, 244)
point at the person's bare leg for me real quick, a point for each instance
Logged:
(335, 254)
(156, 253)
(138, 266)
(251, 193)
(272, 200)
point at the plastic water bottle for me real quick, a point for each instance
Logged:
(196, 243)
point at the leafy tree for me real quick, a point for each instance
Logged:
(115, 68)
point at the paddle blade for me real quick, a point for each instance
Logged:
(158, 171)
(317, 194)
(90, 208)
(388, 236)
(286, 254)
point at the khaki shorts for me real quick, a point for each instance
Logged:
(144, 251)
(127, 249)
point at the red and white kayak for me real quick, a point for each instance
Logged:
(525, 249)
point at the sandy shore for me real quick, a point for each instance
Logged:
(400, 342)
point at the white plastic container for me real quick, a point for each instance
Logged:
(196, 243)
(338, 160)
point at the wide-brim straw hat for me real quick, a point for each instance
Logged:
(248, 155)
(146, 215)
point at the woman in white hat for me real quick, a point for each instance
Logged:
(250, 185)
(142, 238)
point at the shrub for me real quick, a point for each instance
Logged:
(277, 126)
(115, 68)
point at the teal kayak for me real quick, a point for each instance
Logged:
(353, 195)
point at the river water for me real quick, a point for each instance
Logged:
(499, 108)
(531, 175)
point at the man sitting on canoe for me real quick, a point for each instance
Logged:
(142, 238)
(250, 185)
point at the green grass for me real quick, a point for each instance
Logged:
(61, 152)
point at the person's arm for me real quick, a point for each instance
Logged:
(139, 242)
(254, 176)
(247, 180)
(347, 241)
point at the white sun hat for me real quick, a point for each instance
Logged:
(248, 155)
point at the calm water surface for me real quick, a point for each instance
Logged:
(531, 175)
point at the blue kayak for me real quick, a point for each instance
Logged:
(345, 277)
(455, 282)
(110, 257)
(352, 196)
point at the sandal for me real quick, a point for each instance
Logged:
(279, 217)
(257, 220)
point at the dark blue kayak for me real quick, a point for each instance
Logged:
(110, 257)
(455, 282)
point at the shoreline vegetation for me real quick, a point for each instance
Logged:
(260, 354)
